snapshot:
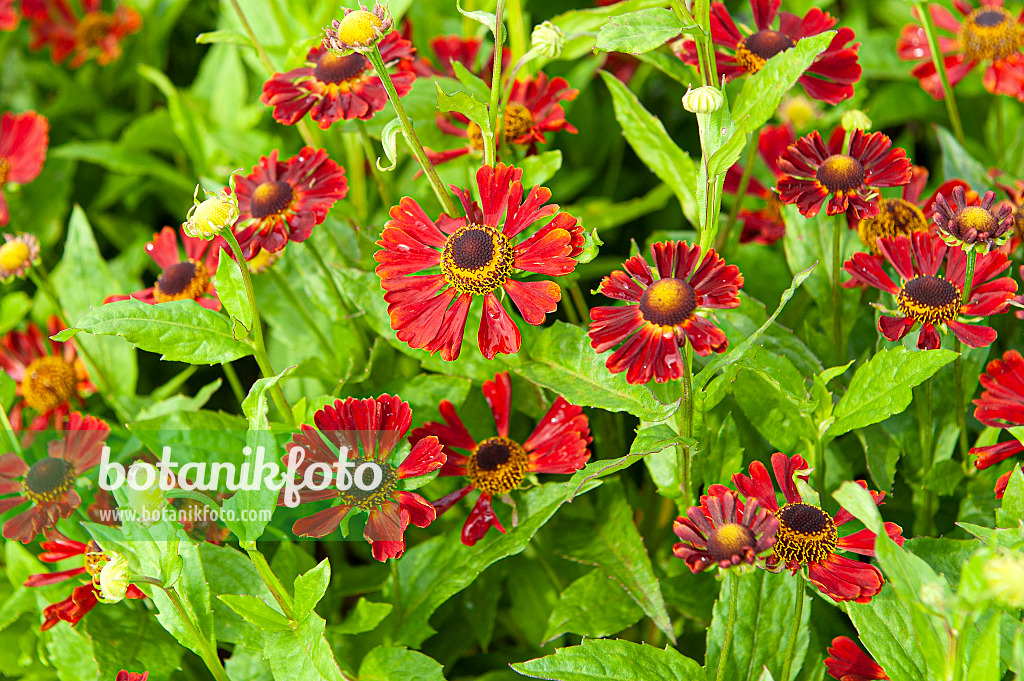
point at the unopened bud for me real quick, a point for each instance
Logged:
(113, 580)
(146, 503)
(548, 40)
(1005, 577)
(855, 120)
(704, 99)
(209, 218)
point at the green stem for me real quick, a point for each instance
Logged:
(837, 301)
(356, 175)
(410, 134)
(798, 615)
(264, 57)
(208, 655)
(581, 303)
(741, 191)
(965, 295)
(371, 158)
(731, 583)
(940, 67)
(396, 596)
(684, 422)
(236, 385)
(293, 299)
(257, 329)
(494, 108)
(958, 369)
(924, 498)
(193, 495)
(274, 584)
(516, 29)
(570, 307)
(9, 431)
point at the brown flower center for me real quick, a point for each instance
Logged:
(94, 27)
(806, 534)
(270, 198)
(840, 173)
(730, 540)
(372, 498)
(337, 70)
(896, 217)
(497, 465)
(930, 299)
(517, 121)
(49, 382)
(990, 33)
(477, 259)
(755, 50)
(48, 479)
(13, 255)
(5, 170)
(187, 280)
(668, 302)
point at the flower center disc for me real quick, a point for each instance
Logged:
(5, 170)
(270, 198)
(13, 255)
(372, 498)
(930, 299)
(668, 302)
(806, 534)
(94, 27)
(48, 479)
(896, 217)
(980, 220)
(518, 120)
(755, 50)
(331, 69)
(840, 173)
(497, 465)
(359, 27)
(729, 541)
(49, 382)
(477, 259)
(990, 33)
(182, 281)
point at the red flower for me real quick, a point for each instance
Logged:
(332, 88)
(188, 278)
(363, 431)
(1001, 405)
(476, 257)
(808, 535)
(466, 51)
(23, 141)
(533, 108)
(281, 201)
(8, 15)
(829, 79)
(125, 675)
(83, 598)
(497, 465)
(721, 531)
(847, 662)
(929, 299)
(49, 375)
(49, 484)
(815, 172)
(95, 33)
(987, 34)
(765, 225)
(661, 315)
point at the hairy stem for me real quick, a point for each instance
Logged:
(837, 301)
(274, 584)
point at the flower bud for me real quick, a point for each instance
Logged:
(855, 120)
(359, 30)
(933, 595)
(146, 503)
(704, 99)
(113, 580)
(1005, 576)
(208, 218)
(548, 40)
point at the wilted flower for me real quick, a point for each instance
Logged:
(722, 531)
(17, 255)
(973, 227)
(358, 30)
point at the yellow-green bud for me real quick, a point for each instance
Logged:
(1005, 576)
(209, 218)
(705, 99)
(933, 595)
(113, 580)
(146, 503)
(548, 40)
(855, 120)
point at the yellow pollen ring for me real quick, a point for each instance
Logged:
(668, 302)
(930, 299)
(990, 33)
(193, 289)
(497, 465)
(795, 544)
(729, 540)
(14, 255)
(477, 259)
(978, 219)
(896, 217)
(840, 173)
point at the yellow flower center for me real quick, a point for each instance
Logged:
(373, 498)
(668, 302)
(978, 219)
(896, 217)
(49, 382)
(48, 479)
(14, 255)
(730, 540)
(339, 70)
(262, 260)
(214, 211)
(754, 51)
(5, 170)
(497, 465)
(187, 280)
(93, 28)
(270, 198)
(359, 28)
(806, 534)
(517, 121)
(840, 173)
(990, 33)
(477, 259)
(930, 299)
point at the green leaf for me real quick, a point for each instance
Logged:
(230, 572)
(389, 140)
(488, 19)
(727, 154)
(617, 548)
(540, 168)
(476, 85)
(385, 663)
(231, 291)
(763, 91)
(13, 308)
(612, 660)
(957, 162)
(311, 586)
(224, 36)
(652, 144)
(470, 107)
(122, 160)
(761, 631)
(130, 638)
(562, 360)
(302, 654)
(363, 617)
(886, 630)
(882, 386)
(183, 330)
(256, 612)
(640, 31)
(858, 501)
(592, 606)
(1011, 513)
(983, 653)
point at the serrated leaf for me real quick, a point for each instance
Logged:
(311, 586)
(886, 630)
(231, 291)
(562, 360)
(612, 660)
(183, 330)
(640, 31)
(256, 612)
(386, 663)
(592, 606)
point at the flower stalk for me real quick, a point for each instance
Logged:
(270, 579)
(798, 615)
(684, 421)
(837, 300)
(495, 108)
(940, 67)
(206, 652)
(732, 583)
